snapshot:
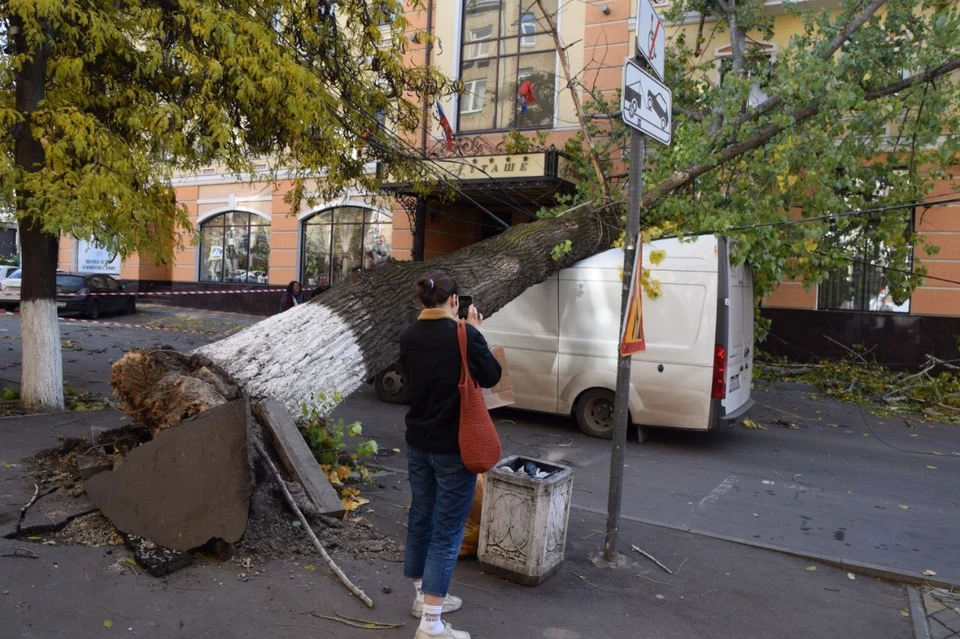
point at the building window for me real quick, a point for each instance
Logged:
(500, 39)
(863, 283)
(235, 247)
(480, 42)
(343, 240)
(472, 100)
(528, 30)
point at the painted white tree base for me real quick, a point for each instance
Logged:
(292, 356)
(42, 387)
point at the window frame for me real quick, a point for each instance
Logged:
(511, 50)
(364, 225)
(263, 222)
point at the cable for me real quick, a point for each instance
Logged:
(863, 418)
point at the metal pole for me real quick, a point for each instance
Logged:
(621, 412)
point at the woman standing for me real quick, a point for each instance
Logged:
(292, 297)
(442, 487)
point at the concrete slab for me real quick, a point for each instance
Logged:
(26, 435)
(188, 485)
(296, 458)
(54, 510)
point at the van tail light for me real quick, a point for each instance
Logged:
(719, 390)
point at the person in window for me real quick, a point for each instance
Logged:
(442, 487)
(293, 296)
(323, 283)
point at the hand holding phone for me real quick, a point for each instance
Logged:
(464, 306)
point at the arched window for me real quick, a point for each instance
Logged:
(235, 247)
(342, 240)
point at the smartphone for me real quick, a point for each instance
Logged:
(464, 308)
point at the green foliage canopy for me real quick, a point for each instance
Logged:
(136, 91)
(872, 125)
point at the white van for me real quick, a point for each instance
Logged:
(561, 340)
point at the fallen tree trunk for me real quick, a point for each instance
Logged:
(350, 333)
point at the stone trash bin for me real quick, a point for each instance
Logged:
(523, 529)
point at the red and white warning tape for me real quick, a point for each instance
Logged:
(163, 293)
(123, 325)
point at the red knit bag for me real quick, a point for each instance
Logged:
(479, 442)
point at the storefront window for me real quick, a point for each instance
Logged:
(863, 284)
(235, 247)
(508, 66)
(343, 240)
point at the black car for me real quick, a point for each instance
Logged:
(656, 104)
(92, 294)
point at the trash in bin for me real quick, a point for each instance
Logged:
(523, 529)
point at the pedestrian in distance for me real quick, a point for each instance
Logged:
(442, 487)
(293, 296)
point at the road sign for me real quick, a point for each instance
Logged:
(646, 103)
(651, 39)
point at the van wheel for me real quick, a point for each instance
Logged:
(594, 413)
(389, 385)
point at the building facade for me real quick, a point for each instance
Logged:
(505, 57)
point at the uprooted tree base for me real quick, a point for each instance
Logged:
(271, 533)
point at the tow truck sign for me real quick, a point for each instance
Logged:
(651, 39)
(646, 103)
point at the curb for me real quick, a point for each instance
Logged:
(918, 614)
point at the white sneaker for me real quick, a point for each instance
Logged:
(448, 633)
(450, 604)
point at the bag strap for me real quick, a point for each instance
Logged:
(462, 338)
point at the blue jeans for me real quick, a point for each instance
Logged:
(442, 490)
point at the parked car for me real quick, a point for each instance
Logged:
(6, 270)
(10, 290)
(78, 293)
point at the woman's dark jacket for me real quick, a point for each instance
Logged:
(430, 359)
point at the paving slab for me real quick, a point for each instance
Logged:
(189, 484)
(26, 435)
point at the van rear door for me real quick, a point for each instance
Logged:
(736, 338)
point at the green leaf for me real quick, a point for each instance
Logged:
(107, 623)
(811, 568)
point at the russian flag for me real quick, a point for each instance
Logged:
(526, 95)
(445, 125)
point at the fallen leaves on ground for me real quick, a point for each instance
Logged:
(352, 499)
(749, 423)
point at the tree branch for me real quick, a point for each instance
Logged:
(657, 193)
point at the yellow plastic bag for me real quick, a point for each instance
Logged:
(471, 538)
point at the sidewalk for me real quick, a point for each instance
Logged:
(942, 614)
(718, 589)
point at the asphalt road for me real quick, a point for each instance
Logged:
(843, 484)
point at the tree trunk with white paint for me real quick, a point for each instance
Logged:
(351, 332)
(42, 380)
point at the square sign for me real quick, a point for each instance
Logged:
(651, 39)
(646, 103)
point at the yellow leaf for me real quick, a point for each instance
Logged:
(107, 623)
(350, 492)
(749, 423)
(810, 245)
(343, 472)
(349, 504)
(309, 567)
(334, 479)
(904, 612)
(657, 256)
(325, 468)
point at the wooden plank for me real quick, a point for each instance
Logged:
(296, 457)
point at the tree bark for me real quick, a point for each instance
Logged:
(350, 333)
(42, 381)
